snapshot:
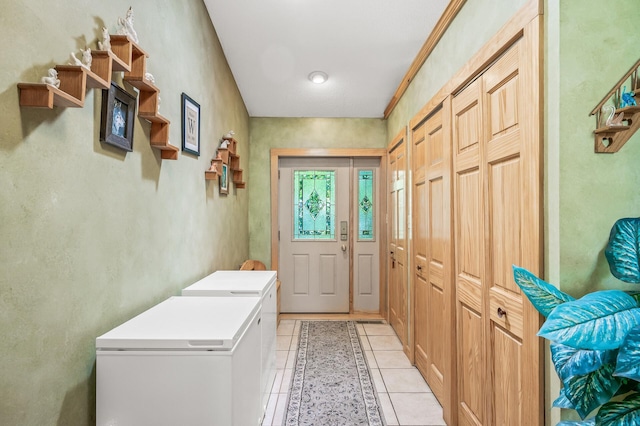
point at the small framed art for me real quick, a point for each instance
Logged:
(224, 179)
(117, 117)
(190, 125)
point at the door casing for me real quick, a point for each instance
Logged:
(278, 153)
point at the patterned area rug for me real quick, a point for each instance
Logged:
(331, 382)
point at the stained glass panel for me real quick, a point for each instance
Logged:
(314, 204)
(365, 205)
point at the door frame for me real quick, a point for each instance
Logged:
(277, 153)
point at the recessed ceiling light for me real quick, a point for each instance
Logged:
(318, 77)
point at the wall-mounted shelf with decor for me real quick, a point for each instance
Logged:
(126, 56)
(73, 84)
(228, 156)
(610, 139)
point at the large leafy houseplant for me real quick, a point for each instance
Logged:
(595, 340)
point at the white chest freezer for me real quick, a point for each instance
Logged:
(186, 361)
(249, 284)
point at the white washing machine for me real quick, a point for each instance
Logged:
(186, 361)
(249, 284)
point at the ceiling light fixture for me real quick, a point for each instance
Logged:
(318, 77)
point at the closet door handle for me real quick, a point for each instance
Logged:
(419, 268)
(501, 313)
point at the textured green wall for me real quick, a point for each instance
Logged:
(477, 22)
(268, 133)
(598, 45)
(91, 236)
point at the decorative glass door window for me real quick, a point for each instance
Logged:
(365, 205)
(314, 204)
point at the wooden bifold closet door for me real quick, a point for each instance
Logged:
(497, 217)
(398, 294)
(432, 254)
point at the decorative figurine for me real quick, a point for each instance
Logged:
(229, 135)
(214, 166)
(150, 77)
(224, 144)
(612, 119)
(86, 59)
(105, 44)
(627, 98)
(52, 79)
(126, 26)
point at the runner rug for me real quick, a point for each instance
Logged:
(331, 382)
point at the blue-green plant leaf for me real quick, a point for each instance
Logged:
(588, 392)
(628, 364)
(597, 321)
(563, 402)
(623, 413)
(588, 422)
(623, 250)
(543, 296)
(571, 362)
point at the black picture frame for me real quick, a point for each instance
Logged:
(190, 125)
(224, 179)
(117, 117)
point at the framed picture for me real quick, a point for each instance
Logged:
(117, 117)
(190, 125)
(224, 179)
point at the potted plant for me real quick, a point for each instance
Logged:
(595, 340)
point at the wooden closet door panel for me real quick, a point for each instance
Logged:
(401, 252)
(469, 248)
(422, 327)
(507, 199)
(438, 236)
(397, 248)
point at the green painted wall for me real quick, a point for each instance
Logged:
(268, 133)
(475, 24)
(598, 44)
(591, 45)
(91, 236)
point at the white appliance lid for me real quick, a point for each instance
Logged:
(191, 323)
(233, 283)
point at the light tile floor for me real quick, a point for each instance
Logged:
(404, 396)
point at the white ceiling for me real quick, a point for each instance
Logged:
(365, 46)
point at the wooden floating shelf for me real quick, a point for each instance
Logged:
(209, 175)
(610, 129)
(99, 77)
(240, 185)
(40, 95)
(122, 49)
(610, 139)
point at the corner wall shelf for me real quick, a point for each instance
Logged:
(610, 139)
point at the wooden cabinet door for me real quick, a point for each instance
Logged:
(397, 248)
(434, 325)
(469, 249)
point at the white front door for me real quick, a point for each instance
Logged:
(314, 234)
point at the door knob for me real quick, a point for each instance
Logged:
(501, 312)
(344, 248)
